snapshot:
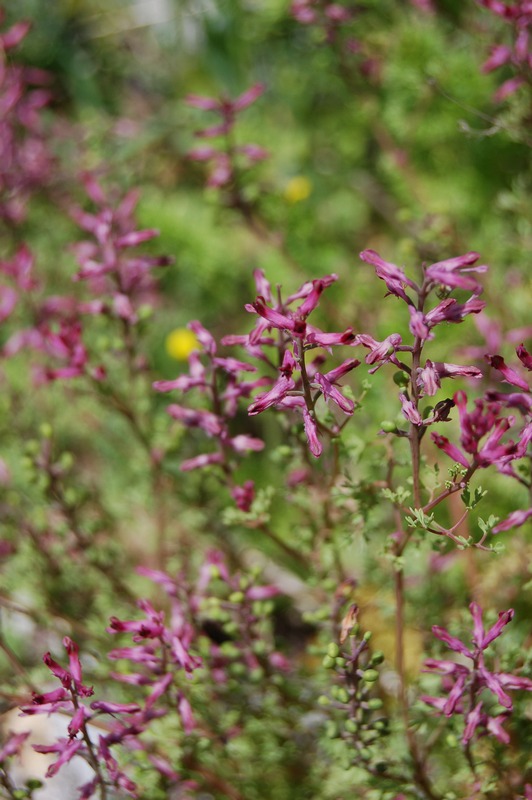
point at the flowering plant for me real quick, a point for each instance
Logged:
(250, 481)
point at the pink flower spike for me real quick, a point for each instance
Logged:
(507, 88)
(248, 97)
(472, 722)
(312, 299)
(8, 301)
(58, 671)
(13, 37)
(500, 54)
(495, 686)
(198, 462)
(450, 272)
(428, 379)
(418, 324)
(279, 390)
(510, 681)
(275, 318)
(311, 431)
(504, 618)
(253, 152)
(215, 130)
(115, 708)
(321, 339)
(136, 237)
(203, 103)
(185, 712)
(13, 744)
(524, 357)
(494, 726)
(455, 694)
(330, 392)
(450, 449)
(478, 627)
(203, 153)
(244, 495)
(263, 285)
(451, 641)
(410, 411)
(244, 443)
(513, 520)
(68, 751)
(509, 374)
(204, 337)
(262, 592)
(446, 370)
(393, 276)
(78, 720)
(335, 374)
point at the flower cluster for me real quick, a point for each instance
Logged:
(120, 280)
(484, 420)
(219, 381)
(106, 261)
(483, 430)
(25, 161)
(226, 162)
(161, 660)
(518, 55)
(317, 12)
(466, 685)
(296, 336)
(71, 699)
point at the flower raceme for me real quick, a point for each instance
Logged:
(467, 684)
(225, 161)
(69, 698)
(519, 54)
(295, 337)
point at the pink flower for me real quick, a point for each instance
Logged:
(452, 272)
(509, 374)
(394, 277)
(513, 520)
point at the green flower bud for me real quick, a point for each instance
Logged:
(401, 379)
(66, 460)
(328, 662)
(340, 662)
(370, 675)
(377, 657)
(388, 426)
(333, 650)
(204, 743)
(351, 726)
(342, 695)
(237, 669)
(375, 703)
(331, 730)
(260, 648)
(323, 700)
(236, 597)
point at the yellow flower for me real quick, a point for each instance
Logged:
(180, 343)
(297, 189)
